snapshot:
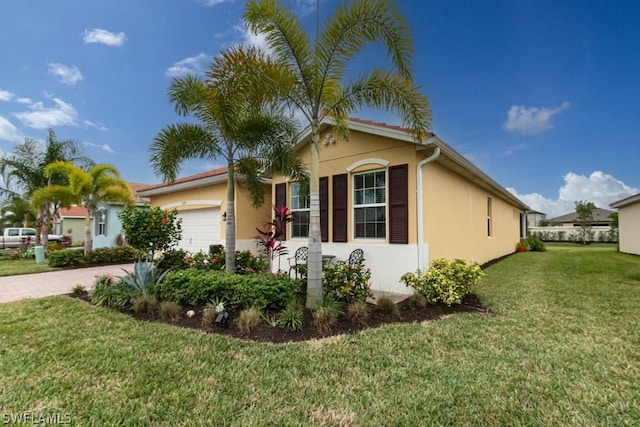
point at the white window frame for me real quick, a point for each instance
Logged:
(384, 205)
(489, 217)
(294, 194)
(101, 222)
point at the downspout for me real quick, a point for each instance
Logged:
(420, 215)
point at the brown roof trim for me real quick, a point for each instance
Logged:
(190, 178)
(626, 201)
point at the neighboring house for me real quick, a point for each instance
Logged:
(72, 222)
(566, 228)
(629, 223)
(535, 218)
(404, 203)
(600, 218)
(200, 201)
(106, 224)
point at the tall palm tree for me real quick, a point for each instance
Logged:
(244, 129)
(101, 183)
(23, 173)
(311, 75)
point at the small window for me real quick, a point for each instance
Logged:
(13, 232)
(370, 205)
(300, 207)
(489, 225)
(101, 223)
(28, 232)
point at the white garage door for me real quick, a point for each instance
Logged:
(200, 228)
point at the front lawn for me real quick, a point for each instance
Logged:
(561, 348)
(14, 267)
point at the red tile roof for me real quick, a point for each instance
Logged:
(73, 211)
(207, 174)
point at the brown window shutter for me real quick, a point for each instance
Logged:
(399, 204)
(340, 208)
(281, 199)
(324, 208)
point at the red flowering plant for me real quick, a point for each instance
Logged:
(150, 230)
(347, 282)
(270, 236)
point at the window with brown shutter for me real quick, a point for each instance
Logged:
(399, 204)
(340, 208)
(324, 208)
(281, 198)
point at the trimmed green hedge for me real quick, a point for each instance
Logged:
(261, 291)
(75, 257)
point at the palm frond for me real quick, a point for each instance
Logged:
(176, 143)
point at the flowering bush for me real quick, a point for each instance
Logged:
(446, 281)
(347, 282)
(150, 229)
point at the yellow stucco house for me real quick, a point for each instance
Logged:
(629, 224)
(404, 204)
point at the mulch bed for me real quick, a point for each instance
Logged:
(270, 334)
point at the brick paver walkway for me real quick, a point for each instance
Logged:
(14, 288)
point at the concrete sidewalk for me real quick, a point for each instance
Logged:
(14, 288)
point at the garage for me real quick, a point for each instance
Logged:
(200, 228)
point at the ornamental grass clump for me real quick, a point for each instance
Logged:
(169, 310)
(145, 304)
(248, 320)
(446, 281)
(386, 306)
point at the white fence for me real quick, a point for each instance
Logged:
(572, 234)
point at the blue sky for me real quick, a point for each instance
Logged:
(541, 95)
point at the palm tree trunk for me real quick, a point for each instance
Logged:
(314, 260)
(87, 233)
(230, 228)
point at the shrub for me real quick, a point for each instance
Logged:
(173, 259)
(387, 306)
(417, 300)
(261, 291)
(117, 255)
(144, 304)
(215, 250)
(446, 281)
(109, 293)
(248, 320)
(151, 229)
(535, 244)
(169, 310)
(78, 290)
(66, 257)
(347, 282)
(291, 319)
(358, 311)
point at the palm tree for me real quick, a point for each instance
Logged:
(246, 131)
(311, 76)
(23, 174)
(17, 212)
(101, 183)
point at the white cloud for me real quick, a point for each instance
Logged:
(24, 101)
(95, 125)
(8, 132)
(531, 120)
(191, 65)
(5, 95)
(214, 2)
(513, 149)
(41, 117)
(68, 75)
(98, 35)
(258, 40)
(599, 188)
(103, 147)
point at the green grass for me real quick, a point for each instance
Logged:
(14, 267)
(562, 347)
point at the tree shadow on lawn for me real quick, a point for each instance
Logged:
(265, 332)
